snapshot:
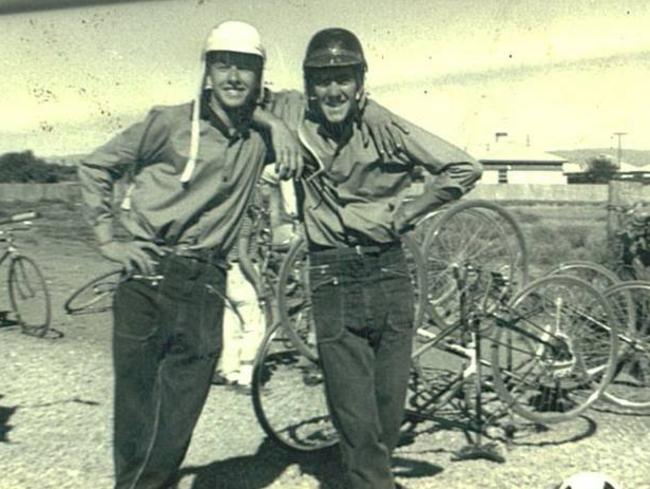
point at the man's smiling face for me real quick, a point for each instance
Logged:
(235, 77)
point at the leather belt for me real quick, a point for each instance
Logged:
(211, 256)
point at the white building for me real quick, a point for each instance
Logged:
(507, 162)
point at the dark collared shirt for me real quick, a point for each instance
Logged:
(206, 214)
(354, 199)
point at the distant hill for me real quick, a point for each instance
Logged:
(636, 157)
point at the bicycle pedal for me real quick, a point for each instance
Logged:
(488, 451)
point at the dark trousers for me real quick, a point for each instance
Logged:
(363, 309)
(166, 341)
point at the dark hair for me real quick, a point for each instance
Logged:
(241, 60)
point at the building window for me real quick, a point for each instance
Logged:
(503, 175)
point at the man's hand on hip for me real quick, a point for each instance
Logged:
(132, 255)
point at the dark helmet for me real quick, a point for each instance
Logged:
(334, 47)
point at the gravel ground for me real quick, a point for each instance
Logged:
(55, 419)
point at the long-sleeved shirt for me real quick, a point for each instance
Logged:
(353, 200)
(206, 214)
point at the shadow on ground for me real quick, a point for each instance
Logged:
(5, 413)
(270, 462)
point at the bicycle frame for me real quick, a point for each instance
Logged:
(543, 343)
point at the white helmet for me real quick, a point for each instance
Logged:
(235, 36)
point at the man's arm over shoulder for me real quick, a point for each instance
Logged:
(99, 170)
(281, 114)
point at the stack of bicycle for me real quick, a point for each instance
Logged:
(490, 345)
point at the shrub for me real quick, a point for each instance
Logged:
(24, 167)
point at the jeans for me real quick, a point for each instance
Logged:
(363, 307)
(166, 341)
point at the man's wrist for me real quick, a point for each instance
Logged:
(266, 119)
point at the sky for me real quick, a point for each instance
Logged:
(559, 74)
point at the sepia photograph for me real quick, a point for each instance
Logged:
(321, 244)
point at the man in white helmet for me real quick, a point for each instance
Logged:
(195, 166)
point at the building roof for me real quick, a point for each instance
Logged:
(511, 152)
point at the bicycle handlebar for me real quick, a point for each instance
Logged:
(20, 217)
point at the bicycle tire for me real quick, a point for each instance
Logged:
(289, 396)
(95, 295)
(422, 226)
(595, 274)
(475, 233)
(29, 296)
(630, 387)
(603, 279)
(554, 351)
(294, 302)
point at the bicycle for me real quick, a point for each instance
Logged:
(541, 366)
(290, 404)
(28, 292)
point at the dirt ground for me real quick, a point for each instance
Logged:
(56, 402)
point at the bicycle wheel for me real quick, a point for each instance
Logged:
(289, 396)
(630, 387)
(554, 349)
(29, 296)
(473, 234)
(418, 273)
(421, 229)
(294, 302)
(94, 296)
(596, 275)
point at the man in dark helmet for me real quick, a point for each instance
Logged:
(351, 203)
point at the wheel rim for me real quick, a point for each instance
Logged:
(557, 354)
(630, 387)
(294, 301)
(95, 296)
(475, 234)
(289, 396)
(29, 296)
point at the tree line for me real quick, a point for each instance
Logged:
(25, 167)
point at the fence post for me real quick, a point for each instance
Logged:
(621, 193)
